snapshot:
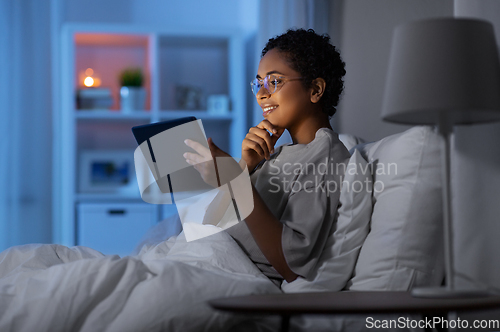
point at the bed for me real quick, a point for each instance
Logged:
(383, 240)
(164, 288)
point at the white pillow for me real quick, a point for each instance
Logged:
(336, 263)
(350, 141)
(405, 245)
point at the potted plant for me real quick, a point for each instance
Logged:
(132, 93)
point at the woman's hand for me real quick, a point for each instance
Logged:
(203, 161)
(259, 143)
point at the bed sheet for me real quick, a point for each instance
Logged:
(165, 287)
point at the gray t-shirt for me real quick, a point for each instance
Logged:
(301, 186)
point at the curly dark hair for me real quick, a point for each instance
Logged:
(313, 57)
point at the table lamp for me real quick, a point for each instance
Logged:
(443, 72)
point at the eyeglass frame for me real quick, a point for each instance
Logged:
(262, 83)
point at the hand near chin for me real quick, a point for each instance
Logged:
(215, 174)
(259, 143)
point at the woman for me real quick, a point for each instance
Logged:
(295, 188)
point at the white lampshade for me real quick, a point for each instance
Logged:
(443, 69)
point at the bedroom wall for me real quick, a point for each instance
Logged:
(476, 176)
(229, 14)
(363, 31)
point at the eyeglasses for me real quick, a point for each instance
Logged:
(271, 83)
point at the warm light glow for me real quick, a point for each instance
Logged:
(89, 81)
(89, 72)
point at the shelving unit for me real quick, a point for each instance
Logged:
(208, 61)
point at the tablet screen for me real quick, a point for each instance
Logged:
(162, 146)
(145, 132)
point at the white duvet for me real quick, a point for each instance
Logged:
(163, 288)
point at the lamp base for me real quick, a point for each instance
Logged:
(446, 293)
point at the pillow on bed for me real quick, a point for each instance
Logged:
(405, 245)
(350, 141)
(336, 263)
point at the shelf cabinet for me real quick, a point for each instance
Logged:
(113, 228)
(181, 70)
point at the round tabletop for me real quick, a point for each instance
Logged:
(350, 302)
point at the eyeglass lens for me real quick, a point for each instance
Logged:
(270, 83)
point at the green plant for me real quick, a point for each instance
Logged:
(131, 77)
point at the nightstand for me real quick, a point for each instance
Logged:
(332, 303)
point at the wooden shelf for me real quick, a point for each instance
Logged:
(108, 197)
(203, 115)
(146, 115)
(111, 115)
(208, 61)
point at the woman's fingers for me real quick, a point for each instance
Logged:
(256, 143)
(275, 131)
(262, 130)
(193, 158)
(276, 136)
(203, 151)
(265, 124)
(203, 154)
(202, 161)
(260, 143)
(263, 138)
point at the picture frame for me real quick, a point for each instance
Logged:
(107, 171)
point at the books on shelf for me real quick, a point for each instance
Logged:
(94, 98)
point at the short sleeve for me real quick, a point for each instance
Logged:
(300, 185)
(307, 219)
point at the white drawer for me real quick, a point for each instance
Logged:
(114, 228)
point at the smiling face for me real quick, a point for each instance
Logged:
(293, 105)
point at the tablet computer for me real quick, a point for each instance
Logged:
(145, 132)
(162, 145)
